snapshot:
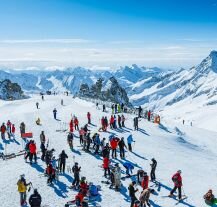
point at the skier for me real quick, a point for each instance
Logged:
(145, 181)
(63, 156)
(119, 121)
(129, 168)
(114, 123)
(35, 199)
(37, 105)
(89, 117)
(103, 108)
(42, 97)
(209, 198)
(38, 121)
(50, 171)
(149, 115)
(27, 152)
(97, 105)
(22, 128)
(55, 113)
(81, 135)
(70, 140)
(32, 150)
(144, 197)
(122, 145)
(183, 121)
(114, 143)
(140, 174)
(116, 108)
(135, 123)
(132, 192)
(112, 108)
(177, 180)
(122, 107)
(129, 142)
(62, 102)
(43, 150)
(71, 126)
(106, 151)
(106, 166)
(13, 129)
(3, 130)
(9, 129)
(122, 120)
(111, 122)
(76, 172)
(117, 177)
(119, 108)
(140, 112)
(42, 137)
(22, 188)
(97, 143)
(76, 123)
(153, 168)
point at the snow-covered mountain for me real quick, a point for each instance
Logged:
(170, 88)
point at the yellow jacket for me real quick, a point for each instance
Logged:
(21, 186)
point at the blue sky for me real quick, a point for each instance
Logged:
(107, 33)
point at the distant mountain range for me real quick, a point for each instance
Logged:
(149, 87)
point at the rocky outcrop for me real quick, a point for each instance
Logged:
(10, 91)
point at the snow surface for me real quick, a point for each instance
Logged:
(174, 146)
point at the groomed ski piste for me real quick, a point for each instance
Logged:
(175, 147)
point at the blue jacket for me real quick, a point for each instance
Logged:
(130, 139)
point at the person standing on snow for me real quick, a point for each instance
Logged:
(122, 120)
(22, 188)
(3, 130)
(76, 123)
(55, 113)
(177, 180)
(103, 108)
(9, 129)
(140, 112)
(13, 129)
(35, 199)
(114, 143)
(71, 126)
(149, 115)
(122, 145)
(136, 123)
(70, 140)
(61, 102)
(132, 192)
(117, 177)
(153, 168)
(89, 117)
(144, 197)
(129, 142)
(106, 163)
(111, 122)
(32, 150)
(43, 151)
(76, 172)
(145, 181)
(97, 143)
(42, 137)
(22, 128)
(63, 156)
(119, 121)
(37, 105)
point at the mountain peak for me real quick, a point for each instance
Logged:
(209, 63)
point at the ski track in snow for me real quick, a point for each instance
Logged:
(189, 149)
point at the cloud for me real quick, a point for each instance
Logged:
(35, 41)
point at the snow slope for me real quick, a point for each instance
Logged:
(174, 146)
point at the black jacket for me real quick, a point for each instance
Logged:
(132, 191)
(63, 157)
(35, 200)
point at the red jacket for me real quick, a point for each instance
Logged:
(76, 121)
(149, 114)
(114, 143)
(71, 126)
(79, 196)
(3, 129)
(177, 179)
(13, 129)
(105, 162)
(112, 120)
(32, 148)
(50, 170)
(145, 182)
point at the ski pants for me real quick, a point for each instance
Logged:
(106, 170)
(179, 191)
(43, 154)
(114, 153)
(122, 152)
(153, 177)
(133, 199)
(22, 197)
(62, 166)
(3, 135)
(31, 157)
(130, 147)
(76, 180)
